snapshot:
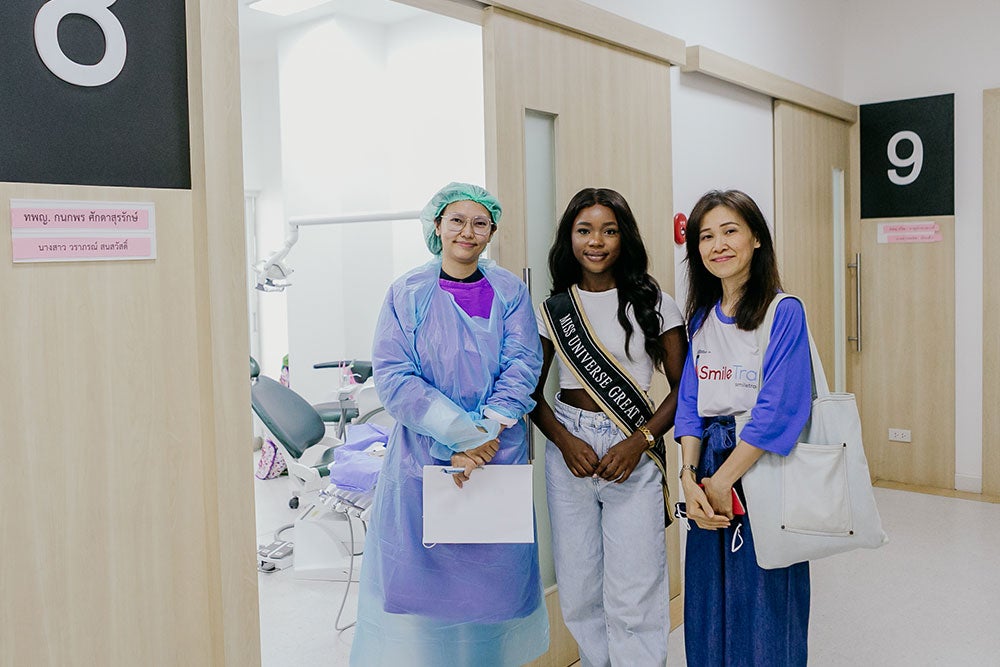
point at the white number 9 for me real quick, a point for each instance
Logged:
(47, 41)
(916, 158)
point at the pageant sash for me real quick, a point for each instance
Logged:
(611, 386)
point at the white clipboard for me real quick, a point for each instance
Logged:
(495, 506)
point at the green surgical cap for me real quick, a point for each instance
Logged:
(451, 193)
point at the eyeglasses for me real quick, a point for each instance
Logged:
(480, 226)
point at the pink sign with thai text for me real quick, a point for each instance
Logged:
(27, 249)
(79, 218)
(68, 231)
(909, 232)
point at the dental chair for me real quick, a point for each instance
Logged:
(300, 433)
(345, 409)
(370, 408)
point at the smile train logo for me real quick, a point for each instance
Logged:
(727, 373)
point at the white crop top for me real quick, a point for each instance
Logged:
(602, 311)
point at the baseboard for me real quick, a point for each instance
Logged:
(676, 611)
(969, 483)
(930, 490)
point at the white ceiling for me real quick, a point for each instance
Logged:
(258, 30)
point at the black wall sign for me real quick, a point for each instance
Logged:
(908, 158)
(121, 121)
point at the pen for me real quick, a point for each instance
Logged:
(454, 471)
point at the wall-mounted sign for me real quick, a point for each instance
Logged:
(73, 231)
(94, 92)
(909, 232)
(908, 158)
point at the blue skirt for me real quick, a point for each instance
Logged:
(735, 612)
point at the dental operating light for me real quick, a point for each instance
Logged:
(272, 273)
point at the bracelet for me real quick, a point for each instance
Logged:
(646, 432)
(694, 471)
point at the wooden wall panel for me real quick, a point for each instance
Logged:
(127, 485)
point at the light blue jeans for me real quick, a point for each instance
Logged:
(609, 550)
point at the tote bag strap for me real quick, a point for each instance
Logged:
(763, 334)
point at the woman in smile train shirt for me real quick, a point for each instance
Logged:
(735, 612)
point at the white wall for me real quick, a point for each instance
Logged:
(723, 138)
(899, 49)
(262, 176)
(801, 41)
(373, 117)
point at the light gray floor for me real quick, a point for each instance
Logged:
(929, 597)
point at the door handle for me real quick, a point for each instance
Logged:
(856, 265)
(526, 278)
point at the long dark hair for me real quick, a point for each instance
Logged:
(705, 290)
(635, 286)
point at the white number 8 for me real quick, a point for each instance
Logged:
(916, 158)
(47, 41)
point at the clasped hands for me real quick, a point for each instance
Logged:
(473, 458)
(710, 507)
(615, 466)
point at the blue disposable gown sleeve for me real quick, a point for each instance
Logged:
(520, 359)
(414, 402)
(785, 399)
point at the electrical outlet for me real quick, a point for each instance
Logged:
(899, 435)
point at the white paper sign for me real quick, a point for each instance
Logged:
(494, 506)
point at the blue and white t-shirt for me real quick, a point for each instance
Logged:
(727, 366)
(721, 378)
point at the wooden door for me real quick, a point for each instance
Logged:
(991, 291)
(808, 148)
(610, 127)
(905, 370)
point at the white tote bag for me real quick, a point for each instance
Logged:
(818, 500)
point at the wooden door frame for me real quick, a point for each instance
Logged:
(991, 292)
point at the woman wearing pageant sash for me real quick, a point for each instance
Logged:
(605, 495)
(736, 613)
(455, 357)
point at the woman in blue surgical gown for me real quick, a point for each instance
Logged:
(456, 357)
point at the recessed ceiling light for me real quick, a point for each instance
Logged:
(285, 7)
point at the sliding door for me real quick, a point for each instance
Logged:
(565, 112)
